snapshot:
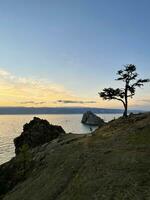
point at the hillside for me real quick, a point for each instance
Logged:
(112, 164)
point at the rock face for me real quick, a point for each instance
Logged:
(90, 118)
(37, 132)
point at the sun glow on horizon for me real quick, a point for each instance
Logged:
(28, 92)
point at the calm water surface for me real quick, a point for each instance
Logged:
(11, 127)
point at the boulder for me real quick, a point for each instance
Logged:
(90, 118)
(37, 132)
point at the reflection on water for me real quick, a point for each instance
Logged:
(11, 126)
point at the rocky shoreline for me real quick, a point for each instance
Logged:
(36, 133)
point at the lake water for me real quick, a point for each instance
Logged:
(11, 127)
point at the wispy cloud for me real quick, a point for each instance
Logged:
(145, 100)
(33, 102)
(26, 91)
(22, 89)
(72, 102)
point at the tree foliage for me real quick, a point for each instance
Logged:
(130, 78)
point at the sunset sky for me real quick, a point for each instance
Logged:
(63, 52)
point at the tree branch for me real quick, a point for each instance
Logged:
(119, 100)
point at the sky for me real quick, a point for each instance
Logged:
(63, 52)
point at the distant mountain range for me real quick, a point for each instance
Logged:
(57, 110)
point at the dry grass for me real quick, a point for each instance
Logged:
(113, 164)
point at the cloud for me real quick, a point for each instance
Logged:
(33, 102)
(72, 102)
(20, 90)
(27, 91)
(145, 100)
(4, 73)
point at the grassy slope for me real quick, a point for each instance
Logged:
(113, 164)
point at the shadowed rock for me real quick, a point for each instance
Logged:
(90, 118)
(37, 132)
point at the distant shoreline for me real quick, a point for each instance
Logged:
(58, 110)
(54, 113)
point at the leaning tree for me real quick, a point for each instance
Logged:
(129, 76)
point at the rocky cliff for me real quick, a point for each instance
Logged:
(91, 119)
(36, 133)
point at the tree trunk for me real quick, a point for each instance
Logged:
(125, 114)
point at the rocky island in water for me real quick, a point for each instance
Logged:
(111, 164)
